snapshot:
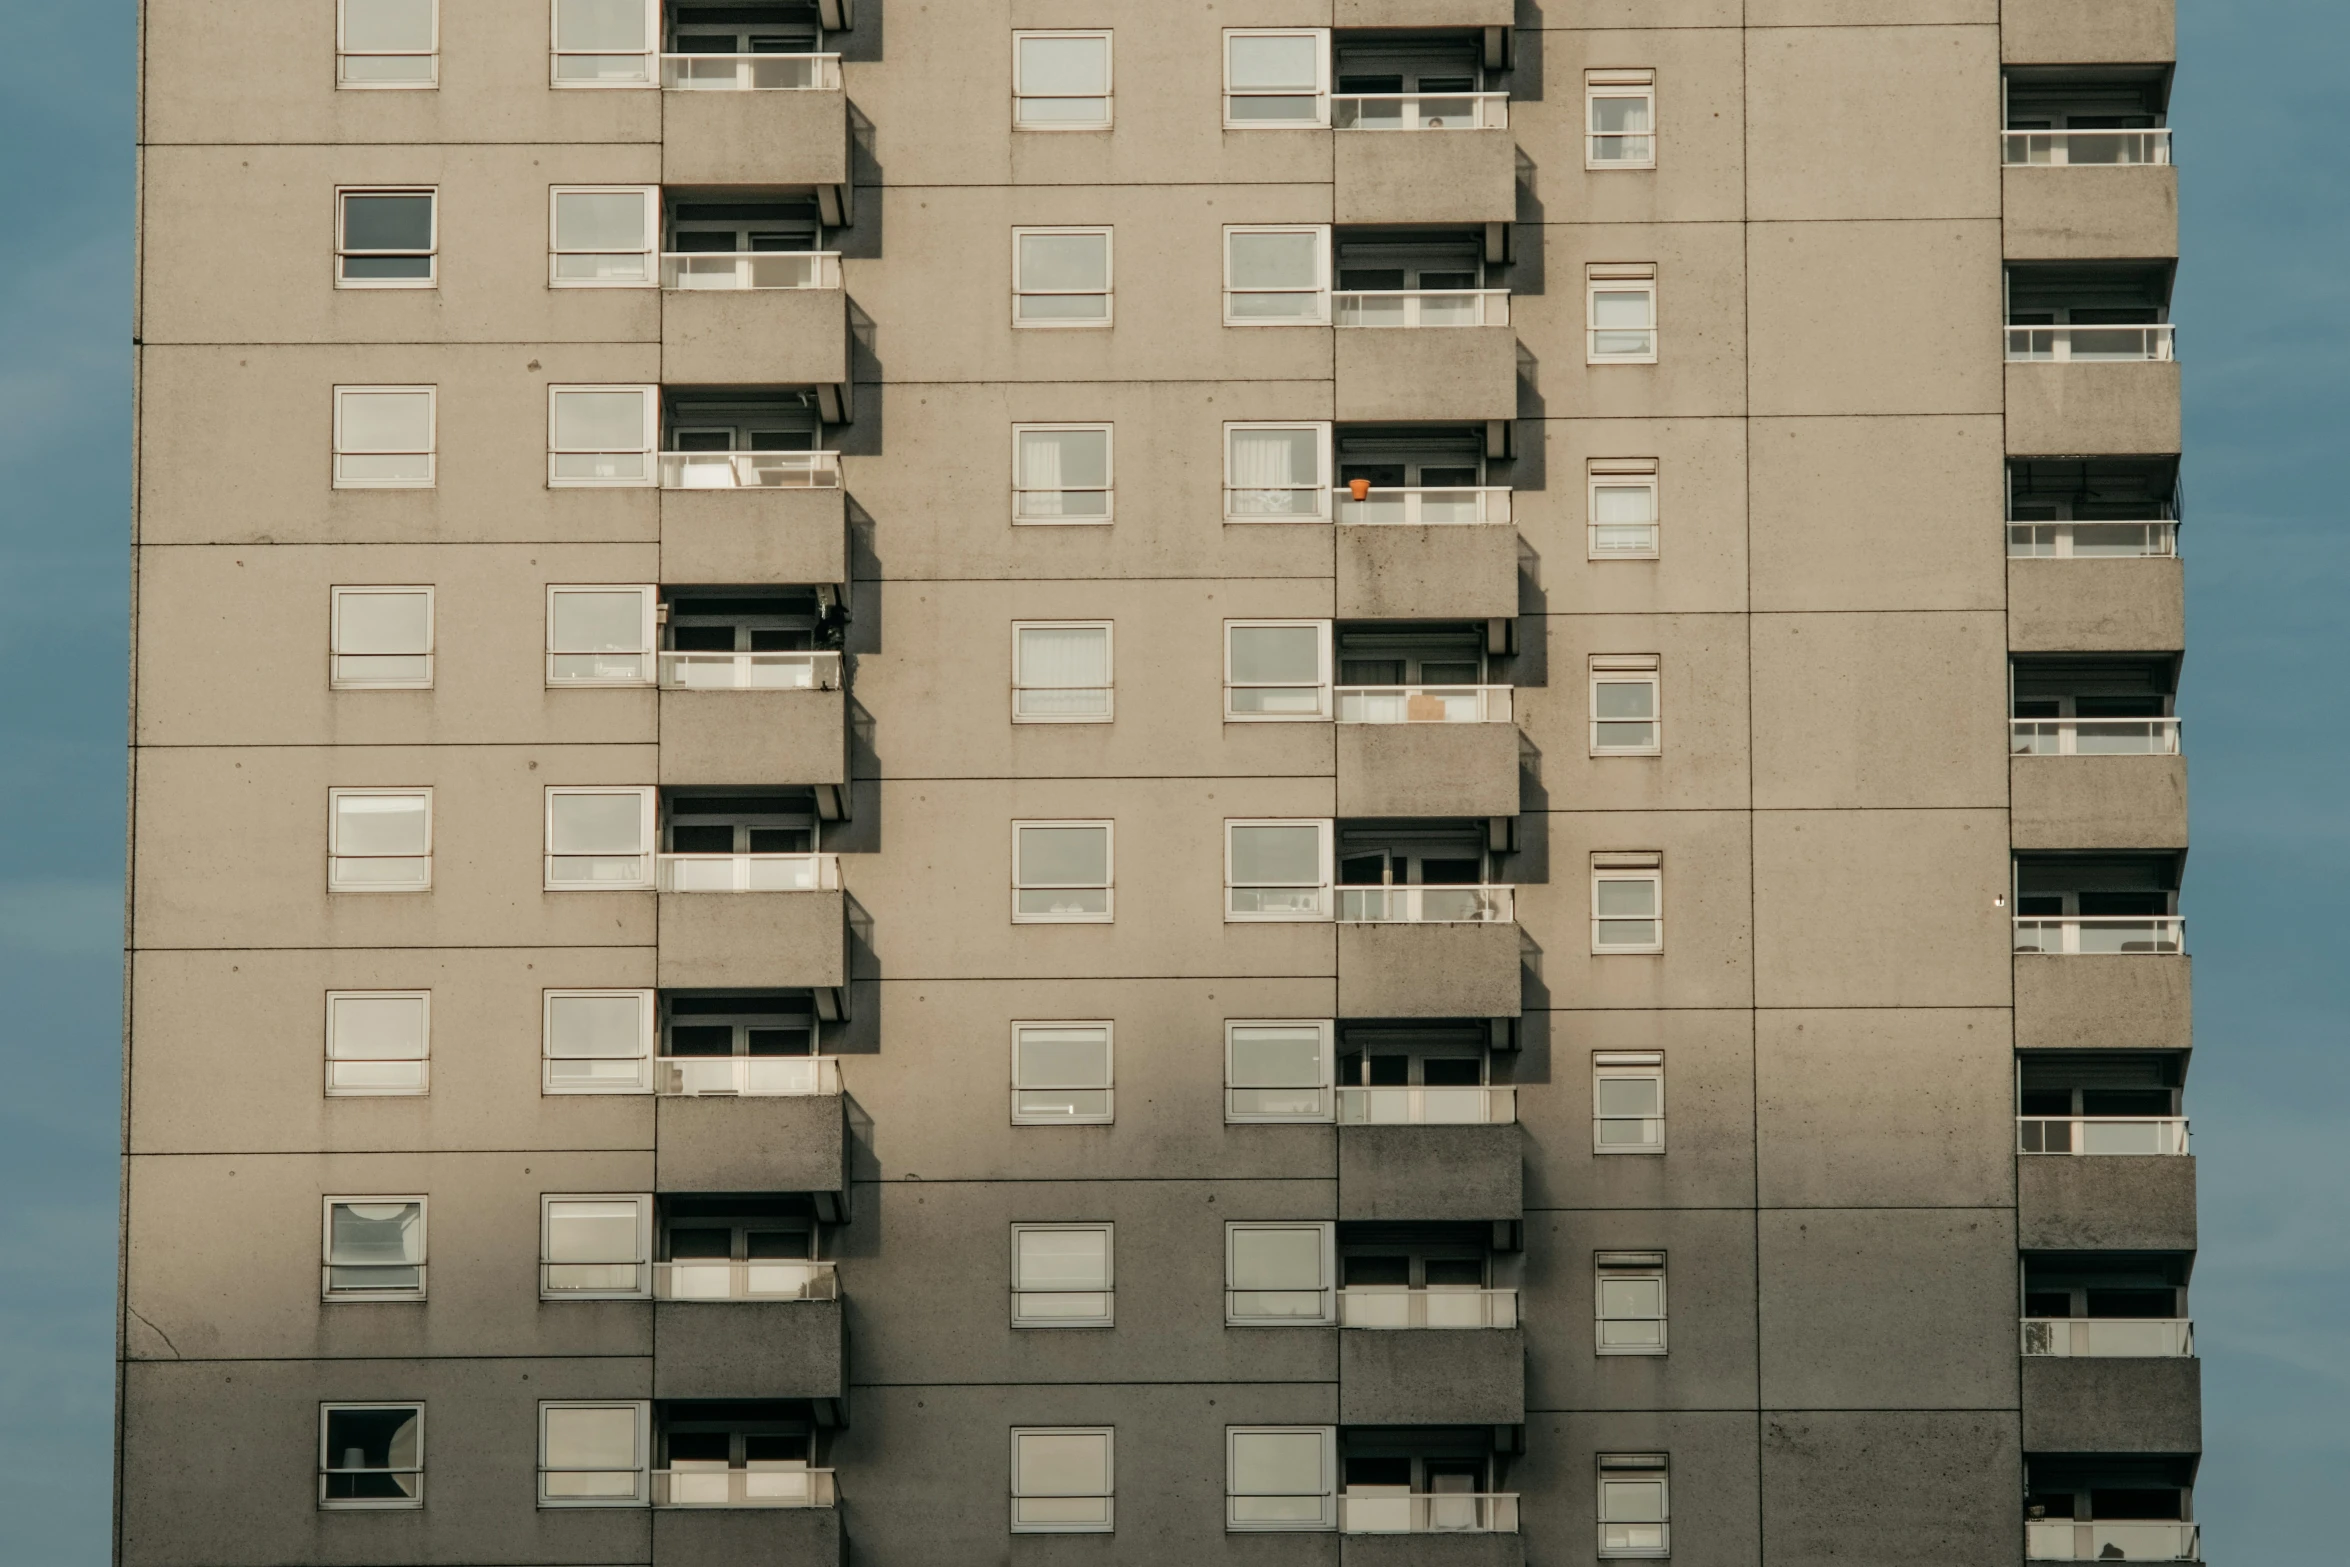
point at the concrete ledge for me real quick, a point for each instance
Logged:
(755, 337)
(750, 1349)
(2130, 1003)
(1431, 1377)
(1427, 769)
(2111, 410)
(2125, 605)
(1427, 1173)
(730, 1537)
(1428, 971)
(746, 538)
(2075, 1202)
(2088, 32)
(755, 138)
(1437, 176)
(1431, 1550)
(753, 941)
(1465, 572)
(2088, 213)
(2094, 1405)
(1428, 373)
(2085, 802)
(758, 1143)
(754, 737)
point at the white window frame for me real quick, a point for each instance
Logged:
(334, 845)
(343, 52)
(326, 1249)
(1610, 278)
(648, 808)
(1624, 669)
(1623, 473)
(642, 1262)
(369, 1504)
(1320, 119)
(647, 1029)
(1324, 684)
(1624, 1064)
(1108, 292)
(651, 78)
(1627, 866)
(336, 679)
(1641, 1266)
(1598, 84)
(1328, 1290)
(1108, 1291)
(643, 1410)
(1320, 291)
(432, 438)
(1109, 492)
(1325, 1091)
(1108, 689)
(1636, 1468)
(1325, 890)
(1109, 1087)
(431, 253)
(1325, 463)
(1108, 1496)
(646, 653)
(1324, 1522)
(650, 195)
(422, 1060)
(1108, 94)
(651, 396)
(1108, 889)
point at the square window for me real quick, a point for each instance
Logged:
(599, 839)
(381, 638)
(1060, 277)
(374, 1249)
(370, 1455)
(1275, 79)
(1623, 508)
(1061, 1276)
(604, 43)
(379, 840)
(1277, 1071)
(601, 635)
(595, 1247)
(1628, 1291)
(1061, 872)
(1277, 473)
(1625, 692)
(1061, 81)
(603, 236)
(1279, 1275)
(1061, 473)
(1633, 1505)
(601, 435)
(378, 1042)
(1277, 870)
(1620, 114)
(1277, 276)
(1280, 1477)
(1062, 1480)
(1061, 1074)
(594, 1454)
(598, 1042)
(1627, 903)
(387, 43)
(1623, 315)
(1627, 1102)
(1061, 672)
(386, 238)
(1276, 669)
(384, 437)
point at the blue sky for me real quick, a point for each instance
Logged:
(2264, 306)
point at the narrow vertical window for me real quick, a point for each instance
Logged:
(1062, 1481)
(1061, 873)
(378, 1042)
(1277, 276)
(1279, 1275)
(1060, 277)
(381, 639)
(374, 1249)
(1278, 1071)
(1276, 78)
(1277, 472)
(379, 840)
(598, 1042)
(1061, 473)
(386, 238)
(1625, 694)
(604, 43)
(1276, 669)
(600, 839)
(1628, 1102)
(1061, 81)
(1622, 314)
(384, 437)
(1628, 1292)
(603, 236)
(601, 434)
(1061, 1276)
(1280, 1477)
(1620, 115)
(1627, 903)
(1277, 870)
(601, 635)
(1061, 1074)
(1623, 508)
(1061, 672)
(1634, 1507)
(387, 43)
(594, 1454)
(370, 1455)
(595, 1248)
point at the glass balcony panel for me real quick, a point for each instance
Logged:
(749, 872)
(764, 1484)
(751, 72)
(750, 470)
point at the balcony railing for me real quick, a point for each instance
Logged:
(2091, 540)
(730, 270)
(751, 72)
(1398, 1306)
(1421, 307)
(1427, 905)
(2101, 1134)
(693, 1077)
(2146, 341)
(719, 1280)
(749, 872)
(2123, 1540)
(1464, 1512)
(750, 470)
(2085, 934)
(810, 671)
(2094, 736)
(1423, 507)
(1403, 111)
(1423, 704)
(1425, 1106)
(744, 1488)
(2098, 147)
(2116, 1338)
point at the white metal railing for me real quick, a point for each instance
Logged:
(750, 470)
(717, 1279)
(2091, 540)
(1427, 905)
(2150, 144)
(2115, 1338)
(1363, 1511)
(1421, 307)
(2093, 736)
(746, 1076)
(801, 671)
(2122, 1540)
(1400, 1306)
(1423, 704)
(1411, 111)
(744, 1488)
(1423, 506)
(730, 270)
(1401, 1105)
(2101, 1134)
(2135, 342)
(751, 72)
(2079, 934)
(749, 872)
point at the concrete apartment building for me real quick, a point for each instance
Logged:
(1326, 781)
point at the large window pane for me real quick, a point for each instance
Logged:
(385, 421)
(600, 220)
(1063, 1259)
(591, 1452)
(1290, 853)
(1061, 1073)
(387, 24)
(600, 421)
(1274, 473)
(615, 25)
(1064, 475)
(371, 1457)
(1061, 1480)
(1284, 260)
(596, 1026)
(1270, 1259)
(1280, 1479)
(381, 824)
(382, 623)
(1265, 655)
(402, 222)
(596, 824)
(1074, 262)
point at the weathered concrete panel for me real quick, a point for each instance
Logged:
(1461, 372)
(2088, 32)
(2084, 1404)
(1944, 1488)
(1427, 769)
(2091, 213)
(2099, 802)
(1427, 573)
(770, 1536)
(1432, 176)
(754, 337)
(745, 538)
(2126, 605)
(753, 1144)
(754, 737)
(750, 1349)
(1431, 1377)
(1428, 971)
(2080, 1202)
(755, 138)
(2077, 1003)
(1430, 1172)
(2112, 410)
(753, 940)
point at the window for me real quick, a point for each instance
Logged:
(1629, 1293)
(382, 639)
(1623, 314)
(599, 838)
(378, 1042)
(1627, 1102)
(1623, 508)
(1061, 1276)
(1627, 903)
(1276, 669)
(374, 1249)
(1277, 870)
(601, 434)
(1060, 872)
(1061, 672)
(1277, 276)
(1061, 81)
(1060, 1074)
(379, 840)
(385, 238)
(1277, 1071)
(1274, 79)
(604, 43)
(1624, 698)
(384, 437)
(1279, 1274)
(1061, 1480)
(1633, 1505)
(370, 1455)
(603, 236)
(601, 636)
(1277, 472)
(598, 1042)
(595, 1248)
(1060, 277)
(387, 43)
(593, 1454)
(1620, 111)
(1061, 473)
(1280, 1477)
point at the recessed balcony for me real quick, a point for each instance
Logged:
(2087, 163)
(757, 120)
(2091, 358)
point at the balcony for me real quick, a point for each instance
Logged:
(2102, 1135)
(1424, 751)
(2147, 342)
(784, 927)
(757, 120)
(2087, 163)
(746, 719)
(2104, 935)
(2141, 539)
(1406, 969)
(752, 1076)
(1424, 1105)
(2105, 1205)
(1363, 504)
(2119, 1338)
(741, 319)
(1424, 157)
(1371, 1510)
(2091, 358)
(2123, 1540)
(715, 1487)
(1415, 308)
(2087, 148)
(753, 518)
(1448, 356)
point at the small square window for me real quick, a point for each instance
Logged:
(1627, 1102)
(1625, 718)
(1060, 277)
(1628, 1292)
(374, 1249)
(603, 236)
(1623, 508)
(378, 1042)
(1277, 473)
(1061, 81)
(605, 43)
(1061, 1276)
(599, 839)
(594, 1454)
(1276, 670)
(387, 43)
(386, 238)
(1634, 1507)
(1277, 276)
(1280, 1477)
(1276, 79)
(379, 840)
(596, 1247)
(1279, 1275)
(1277, 870)
(384, 437)
(1623, 315)
(1061, 672)
(598, 1042)
(1062, 1481)
(1061, 1074)
(1620, 115)
(601, 435)
(370, 1455)
(1277, 1071)
(1627, 903)
(1061, 473)
(601, 635)
(1061, 873)
(382, 639)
